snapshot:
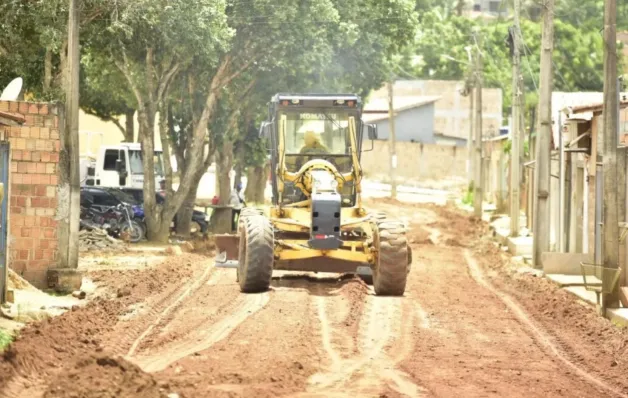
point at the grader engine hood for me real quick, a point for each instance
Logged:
(326, 210)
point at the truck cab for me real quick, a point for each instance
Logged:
(121, 165)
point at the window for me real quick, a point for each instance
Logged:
(493, 6)
(135, 158)
(111, 157)
(122, 197)
(324, 133)
(102, 198)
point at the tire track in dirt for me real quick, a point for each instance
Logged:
(372, 369)
(471, 344)
(166, 311)
(144, 315)
(270, 353)
(543, 339)
(207, 335)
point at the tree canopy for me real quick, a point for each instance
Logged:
(208, 67)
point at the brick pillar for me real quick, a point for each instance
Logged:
(33, 243)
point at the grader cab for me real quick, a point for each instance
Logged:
(316, 222)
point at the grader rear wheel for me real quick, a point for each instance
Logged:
(393, 259)
(255, 259)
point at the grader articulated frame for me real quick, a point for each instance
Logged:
(316, 222)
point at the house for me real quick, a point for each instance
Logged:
(623, 37)
(491, 7)
(414, 120)
(451, 111)
(582, 129)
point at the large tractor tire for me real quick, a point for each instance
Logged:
(393, 258)
(255, 259)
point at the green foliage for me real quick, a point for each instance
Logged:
(508, 147)
(439, 53)
(6, 338)
(468, 196)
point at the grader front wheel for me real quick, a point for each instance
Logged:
(393, 259)
(255, 259)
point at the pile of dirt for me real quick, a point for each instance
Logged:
(419, 236)
(42, 349)
(102, 376)
(99, 240)
(16, 282)
(206, 246)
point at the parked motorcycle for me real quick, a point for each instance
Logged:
(116, 220)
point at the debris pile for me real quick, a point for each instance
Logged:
(98, 240)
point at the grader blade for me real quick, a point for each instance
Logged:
(227, 247)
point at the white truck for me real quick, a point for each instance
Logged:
(118, 166)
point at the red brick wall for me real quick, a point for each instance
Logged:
(33, 195)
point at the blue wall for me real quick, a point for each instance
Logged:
(415, 124)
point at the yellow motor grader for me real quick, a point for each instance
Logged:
(316, 222)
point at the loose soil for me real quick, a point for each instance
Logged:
(468, 325)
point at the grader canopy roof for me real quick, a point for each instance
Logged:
(318, 100)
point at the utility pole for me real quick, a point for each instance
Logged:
(478, 194)
(610, 253)
(541, 234)
(515, 148)
(69, 182)
(392, 140)
(470, 139)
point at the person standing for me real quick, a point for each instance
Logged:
(237, 202)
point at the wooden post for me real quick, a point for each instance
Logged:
(470, 138)
(610, 252)
(69, 181)
(478, 195)
(542, 222)
(392, 141)
(515, 149)
(579, 202)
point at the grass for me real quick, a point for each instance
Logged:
(5, 339)
(467, 199)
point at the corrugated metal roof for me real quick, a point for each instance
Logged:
(594, 108)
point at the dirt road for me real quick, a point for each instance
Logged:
(467, 326)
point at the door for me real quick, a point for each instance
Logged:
(108, 173)
(4, 217)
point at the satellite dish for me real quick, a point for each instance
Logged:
(12, 91)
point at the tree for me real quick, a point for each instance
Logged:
(33, 37)
(150, 42)
(439, 53)
(104, 95)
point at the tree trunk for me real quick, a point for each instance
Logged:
(256, 184)
(224, 163)
(48, 70)
(239, 166)
(129, 130)
(157, 221)
(238, 174)
(460, 7)
(184, 215)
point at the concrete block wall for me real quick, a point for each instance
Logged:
(415, 161)
(451, 115)
(34, 176)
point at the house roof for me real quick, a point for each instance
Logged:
(593, 108)
(11, 119)
(377, 108)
